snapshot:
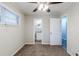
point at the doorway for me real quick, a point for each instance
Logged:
(64, 31)
(38, 31)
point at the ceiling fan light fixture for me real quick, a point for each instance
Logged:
(40, 7)
(45, 7)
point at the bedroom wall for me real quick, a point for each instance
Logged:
(72, 29)
(29, 29)
(11, 36)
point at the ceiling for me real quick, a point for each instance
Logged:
(27, 8)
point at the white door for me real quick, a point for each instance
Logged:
(55, 31)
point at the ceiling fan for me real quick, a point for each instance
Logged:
(44, 6)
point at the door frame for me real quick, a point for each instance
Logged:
(66, 31)
(34, 29)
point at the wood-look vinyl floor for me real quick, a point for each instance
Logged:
(41, 50)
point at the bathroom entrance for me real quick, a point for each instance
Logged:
(38, 31)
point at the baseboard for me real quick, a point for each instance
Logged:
(29, 43)
(17, 50)
(55, 44)
(46, 43)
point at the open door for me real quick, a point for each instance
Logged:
(38, 31)
(64, 31)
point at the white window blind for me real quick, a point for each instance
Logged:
(7, 17)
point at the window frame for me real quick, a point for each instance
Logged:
(2, 8)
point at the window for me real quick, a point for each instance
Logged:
(7, 17)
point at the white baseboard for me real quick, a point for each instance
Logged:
(46, 43)
(17, 50)
(55, 44)
(29, 43)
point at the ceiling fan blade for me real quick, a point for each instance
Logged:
(48, 10)
(35, 10)
(54, 2)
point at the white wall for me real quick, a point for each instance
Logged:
(29, 30)
(11, 37)
(73, 29)
(55, 31)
